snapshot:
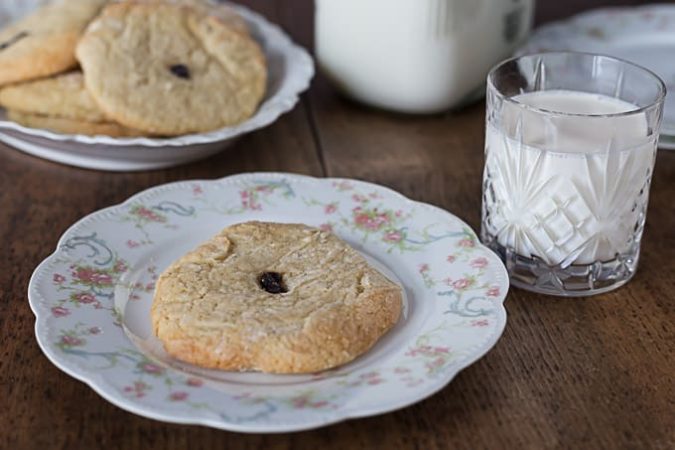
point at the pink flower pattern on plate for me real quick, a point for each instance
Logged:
(467, 243)
(252, 197)
(194, 382)
(90, 276)
(138, 389)
(330, 208)
(151, 368)
(480, 262)
(145, 214)
(308, 401)
(463, 283)
(83, 297)
(435, 357)
(178, 396)
(393, 236)
(58, 278)
(60, 311)
(371, 219)
(71, 341)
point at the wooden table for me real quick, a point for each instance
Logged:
(576, 373)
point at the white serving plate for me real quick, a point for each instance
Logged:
(290, 72)
(92, 301)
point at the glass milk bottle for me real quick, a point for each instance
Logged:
(417, 56)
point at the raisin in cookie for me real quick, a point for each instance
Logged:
(62, 96)
(171, 69)
(43, 43)
(71, 126)
(279, 298)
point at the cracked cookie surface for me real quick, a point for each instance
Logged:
(224, 12)
(279, 298)
(171, 69)
(43, 43)
(63, 96)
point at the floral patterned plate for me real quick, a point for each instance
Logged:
(92, 300)
(644, 35)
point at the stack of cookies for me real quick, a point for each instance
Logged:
(130, 68)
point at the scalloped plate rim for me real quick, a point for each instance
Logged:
(97, 382)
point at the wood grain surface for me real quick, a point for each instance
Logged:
(593, 373)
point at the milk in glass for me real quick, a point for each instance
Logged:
(568, 187)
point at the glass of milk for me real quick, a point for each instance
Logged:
(570, 146)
